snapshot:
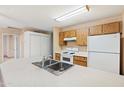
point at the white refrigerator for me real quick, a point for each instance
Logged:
(104, 52)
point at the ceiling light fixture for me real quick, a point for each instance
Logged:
(73, 13)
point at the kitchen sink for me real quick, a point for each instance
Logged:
(46, 63)
(58, 68)
(54, 67)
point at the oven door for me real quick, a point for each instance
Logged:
(67, 59)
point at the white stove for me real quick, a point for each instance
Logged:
(67, 55)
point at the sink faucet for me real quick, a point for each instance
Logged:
(43, 61)
(49, 58)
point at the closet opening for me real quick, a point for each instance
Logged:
(11, 47)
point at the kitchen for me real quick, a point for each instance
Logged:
(93, 48)
(80, 38)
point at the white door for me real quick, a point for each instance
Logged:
(45, 46)
(11, 48)
(35, 45)
(16, 46)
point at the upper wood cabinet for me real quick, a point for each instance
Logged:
(71, 33)
(105, 28)
(96, 30)
(111, 28)
(82, 36)
(61, 39)
(66, 34)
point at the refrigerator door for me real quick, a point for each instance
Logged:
(104, 61)
(104, 43)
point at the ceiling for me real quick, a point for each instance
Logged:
(42, 16)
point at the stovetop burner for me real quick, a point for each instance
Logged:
(72, 53)
(69, 51)
(65, 52)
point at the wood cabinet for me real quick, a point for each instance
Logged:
(111, 28)
(61, 39)
(66, 34)
(71, 33)
(82, 36)
(96, 30)
(57, 56)
(80, 60)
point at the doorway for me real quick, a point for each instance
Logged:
(11, 47)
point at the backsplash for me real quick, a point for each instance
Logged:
(73, 44)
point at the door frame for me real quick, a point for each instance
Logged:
(15, 35)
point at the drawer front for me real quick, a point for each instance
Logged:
(82, 63)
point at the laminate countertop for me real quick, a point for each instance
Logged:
(83, 54)
(21, 73)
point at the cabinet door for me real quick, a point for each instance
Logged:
(72, 33)
(61, 39)
(45, 46)
(35, 46)
(96, 30)
(57, 56)
(79, 60)
(82, 36)
(111, 28)
(66, 34)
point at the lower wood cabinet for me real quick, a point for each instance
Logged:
(80, 60)
(57, 56)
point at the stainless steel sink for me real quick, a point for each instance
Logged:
(54, 67)
(58, 68)
(46, 63)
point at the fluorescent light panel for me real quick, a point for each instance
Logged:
(73, 13)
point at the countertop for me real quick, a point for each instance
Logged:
(23, 73)
(84, 54)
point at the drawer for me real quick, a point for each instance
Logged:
(80, 58)
(57, 54)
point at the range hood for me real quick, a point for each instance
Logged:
(70, 39)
